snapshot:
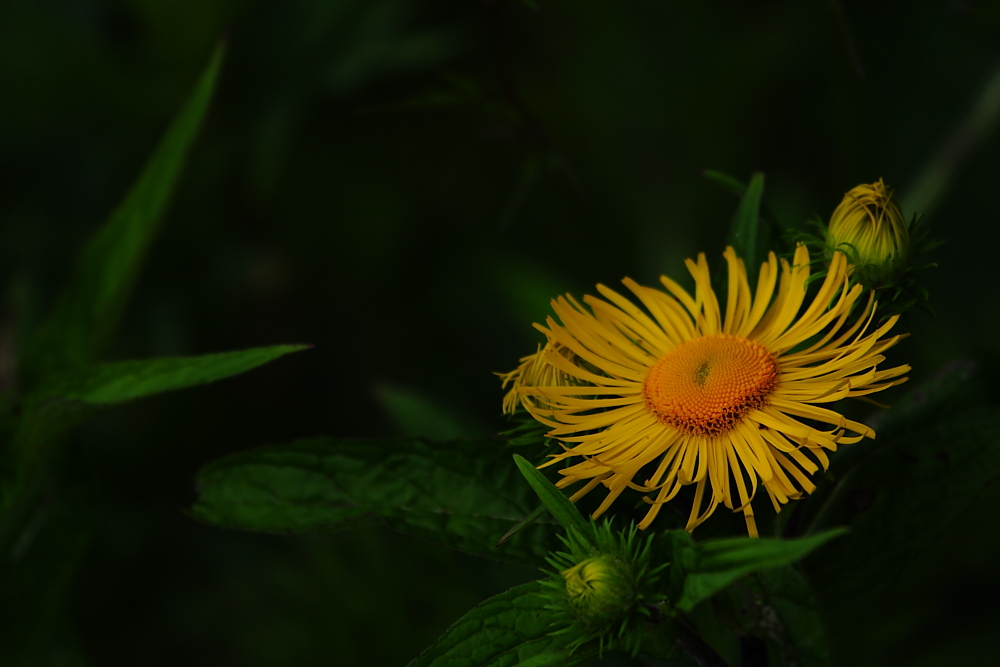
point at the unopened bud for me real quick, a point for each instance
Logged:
(600, 590)
(869, 228)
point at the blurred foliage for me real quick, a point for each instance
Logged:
(405, 185)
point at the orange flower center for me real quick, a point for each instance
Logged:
(704, 386)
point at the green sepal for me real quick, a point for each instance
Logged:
(607, 585)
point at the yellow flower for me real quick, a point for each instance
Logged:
(869, 227)
(533, 371)
(683, 393)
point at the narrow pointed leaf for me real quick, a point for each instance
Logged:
(66, 401)
(88, 311)
(122, 381)
(725, 181)
(526, 521)
(558, 504)
(748, 235)
(462, 494)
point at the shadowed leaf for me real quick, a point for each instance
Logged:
(88, 311)
(462, 494)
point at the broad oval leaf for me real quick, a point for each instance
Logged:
(510, 629)
(463, 494)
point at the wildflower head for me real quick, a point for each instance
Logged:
(730, 396)
(869, 228)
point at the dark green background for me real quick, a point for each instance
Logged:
(404, 185)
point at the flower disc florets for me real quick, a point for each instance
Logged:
(869, 227)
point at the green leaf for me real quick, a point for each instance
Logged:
(526, 521)
(506, 630)
(88, 311)
(779, 606)
(63, 403)
(417, 417)
(901, 499)
(712, 565)
(558, 504)
(35, 575)
(725, 181)
(749, 236)
(122, 381)
(463, 494)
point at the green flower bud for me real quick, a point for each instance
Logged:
(601, 590)
(605, 588)
(869, 228)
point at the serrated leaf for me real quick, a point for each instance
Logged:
(748, 235)
(87, 313)
(899, 500)
(712, 565)
(463, 494)
(122, 381)
(510, 629)
(558, 504)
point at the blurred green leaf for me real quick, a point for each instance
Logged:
(953, 388)
(749, 236)
(712, 565)
(34, 579)
(557, 503)
(899, 500)
(463, 494)
(55, 408)
(506, 630)
(725, 181)
(778, 606)
(417, 417)
(88, 311)
(122, 381)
